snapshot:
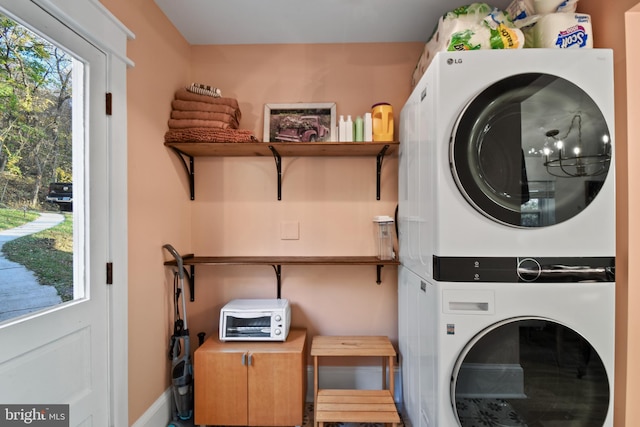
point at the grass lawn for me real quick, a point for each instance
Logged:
(49, 253)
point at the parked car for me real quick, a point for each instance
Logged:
(61, 193)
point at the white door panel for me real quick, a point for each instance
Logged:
(60, 355)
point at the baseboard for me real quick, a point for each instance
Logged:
(158, 414)
(363, 377)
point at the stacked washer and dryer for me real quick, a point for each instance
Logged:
(506, 224)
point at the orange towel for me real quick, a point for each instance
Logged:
(205, 115)
(193, 123)
(209, 135)
(205, 106)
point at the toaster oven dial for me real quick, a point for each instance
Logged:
(277, 332)
(278, 317)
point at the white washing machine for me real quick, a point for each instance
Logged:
(507, 166)
(506, 354)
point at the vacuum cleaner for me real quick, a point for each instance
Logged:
(180, 351)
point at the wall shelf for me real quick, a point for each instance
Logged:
(277, 262)
(187, 151)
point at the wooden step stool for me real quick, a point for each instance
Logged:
(355, 406)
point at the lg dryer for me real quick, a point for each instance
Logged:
(508, 156)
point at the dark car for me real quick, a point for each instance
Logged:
(61, 193)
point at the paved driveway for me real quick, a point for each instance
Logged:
(20, 292)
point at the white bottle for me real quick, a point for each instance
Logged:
(349, 129)
(342, 129)
(368, 127)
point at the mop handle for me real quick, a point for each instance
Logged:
(178, 258)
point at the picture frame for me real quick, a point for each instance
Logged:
(300, 122)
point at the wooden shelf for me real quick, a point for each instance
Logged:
(190, 150)
(277, 262)
(282, 260)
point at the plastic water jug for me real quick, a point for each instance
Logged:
(382, 116)
(383, 234)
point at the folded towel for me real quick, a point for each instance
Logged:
(184, 95)
(209, 135)
(193, 123)
(204, 90)
(205, 115)
(205, 106)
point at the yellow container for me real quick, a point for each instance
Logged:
(382, 116)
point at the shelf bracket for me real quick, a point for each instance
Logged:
(379, 268)
(278, 271)
(192, 283)
(188, 168)
(278, 160)
(379, 159)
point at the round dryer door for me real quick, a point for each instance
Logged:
(530, 372)
(531, 150)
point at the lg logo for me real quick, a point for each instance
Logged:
(452, 61)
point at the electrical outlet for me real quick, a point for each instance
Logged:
(289, 230)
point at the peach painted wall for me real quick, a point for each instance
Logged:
(236, 211)
(632, 410)
(609, 30)
(159, 209)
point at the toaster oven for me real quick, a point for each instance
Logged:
(255, 320)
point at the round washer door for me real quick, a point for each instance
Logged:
(530, 372)
(531, 150)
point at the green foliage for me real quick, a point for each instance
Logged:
(63, 176)
(35, 112)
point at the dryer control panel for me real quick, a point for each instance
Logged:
(524, 269)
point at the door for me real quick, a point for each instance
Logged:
(531, 150)
(274, 388)
(60, 355)
(530, 372)
(220, 384)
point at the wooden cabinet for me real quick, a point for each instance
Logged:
(251, 383)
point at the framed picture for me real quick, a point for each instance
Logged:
(299, 122)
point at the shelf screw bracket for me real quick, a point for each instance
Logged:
(278, 160)
(278, 270)
(188, 168)
(379, 159)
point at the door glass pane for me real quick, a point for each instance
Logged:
(530, 372)
(40, 115)
(531, 150)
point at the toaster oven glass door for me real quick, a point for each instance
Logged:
(252, 326)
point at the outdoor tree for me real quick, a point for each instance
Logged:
(35, 114)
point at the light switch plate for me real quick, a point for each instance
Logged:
(289, 230)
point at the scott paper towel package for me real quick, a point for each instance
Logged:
(563, 30)
(551, 23)
(472, 27)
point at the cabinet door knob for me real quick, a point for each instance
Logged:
(244, 359)
(250, 360)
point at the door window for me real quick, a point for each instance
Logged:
(40, 99)
(531, 150)
(530, 372)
